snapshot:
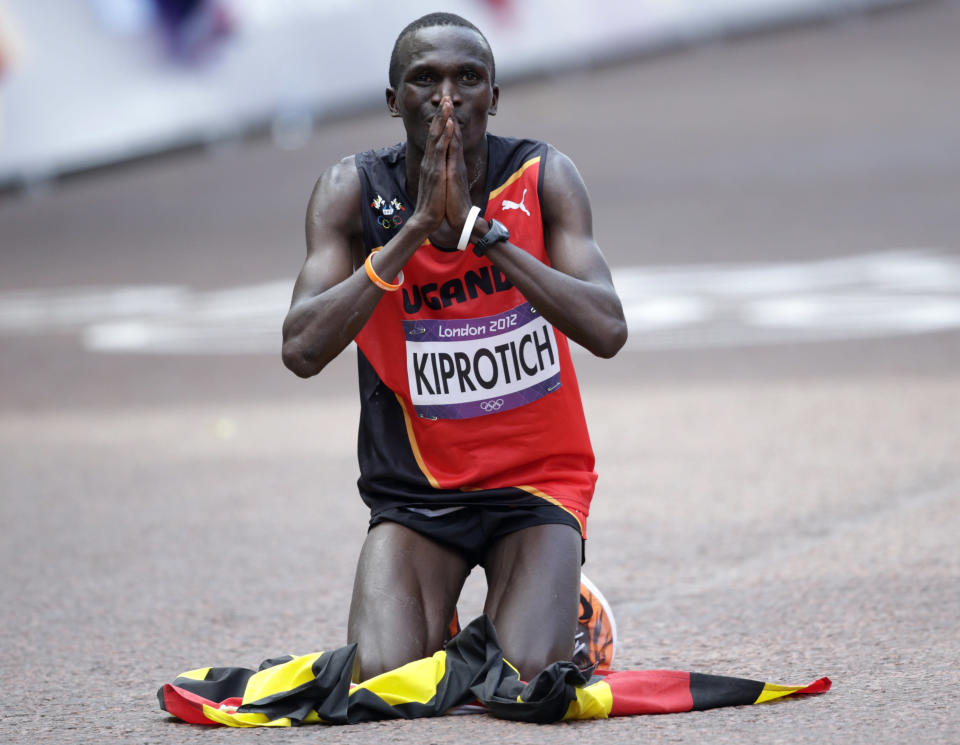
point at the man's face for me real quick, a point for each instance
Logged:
(444, 61)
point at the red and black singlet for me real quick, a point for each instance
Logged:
(467, 395)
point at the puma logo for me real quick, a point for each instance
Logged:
(508, 205)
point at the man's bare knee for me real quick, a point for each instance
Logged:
(404, 593)
(388, 628)
(534, 577)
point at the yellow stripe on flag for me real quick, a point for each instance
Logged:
(593, 702)
(280, 678)
(773, 691)
(231, 719)
(199, 674)
(416, 681)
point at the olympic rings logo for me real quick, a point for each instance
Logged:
(388, 222)
(493, 405)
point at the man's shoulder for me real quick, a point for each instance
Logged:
(336, 183)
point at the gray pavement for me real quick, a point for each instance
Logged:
(782, 511)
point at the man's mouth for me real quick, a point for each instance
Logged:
(457, 119)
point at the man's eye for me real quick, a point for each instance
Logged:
(470, 76)
(423, 77)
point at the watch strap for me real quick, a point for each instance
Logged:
(497, 232)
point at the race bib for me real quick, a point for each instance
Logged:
(465, 368)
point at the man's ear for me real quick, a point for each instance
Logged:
(392, 102)
(492, 111)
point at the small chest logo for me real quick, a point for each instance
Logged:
(509, 205)
(389, 216)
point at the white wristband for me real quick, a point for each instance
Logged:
(468, 228)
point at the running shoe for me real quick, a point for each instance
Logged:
(596, 639)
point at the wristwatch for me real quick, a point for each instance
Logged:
(498, 232)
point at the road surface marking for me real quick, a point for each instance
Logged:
(667, 307)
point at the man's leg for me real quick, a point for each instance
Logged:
(404, 595)
(533, 597)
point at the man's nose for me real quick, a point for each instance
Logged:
(448, 87)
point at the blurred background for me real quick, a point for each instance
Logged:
(776, 186)
(796, 157)
(96, 81)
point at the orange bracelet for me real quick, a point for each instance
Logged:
(374, 277)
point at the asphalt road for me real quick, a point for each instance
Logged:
(778, 446)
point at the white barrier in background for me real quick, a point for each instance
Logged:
(866, 296)
(83, 93)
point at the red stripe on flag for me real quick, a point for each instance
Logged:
(186, 705)
(649, 692)
(820, 685)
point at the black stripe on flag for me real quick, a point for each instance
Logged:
(711, 691)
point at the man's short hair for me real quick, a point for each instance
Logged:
(429, 21)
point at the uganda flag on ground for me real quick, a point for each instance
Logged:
(316, 688)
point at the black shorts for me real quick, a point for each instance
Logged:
(471, 531)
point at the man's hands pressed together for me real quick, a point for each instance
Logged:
(432, 189)
(443, 193)
(458, 184)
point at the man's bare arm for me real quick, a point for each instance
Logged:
(333, 297)
(576, 293)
